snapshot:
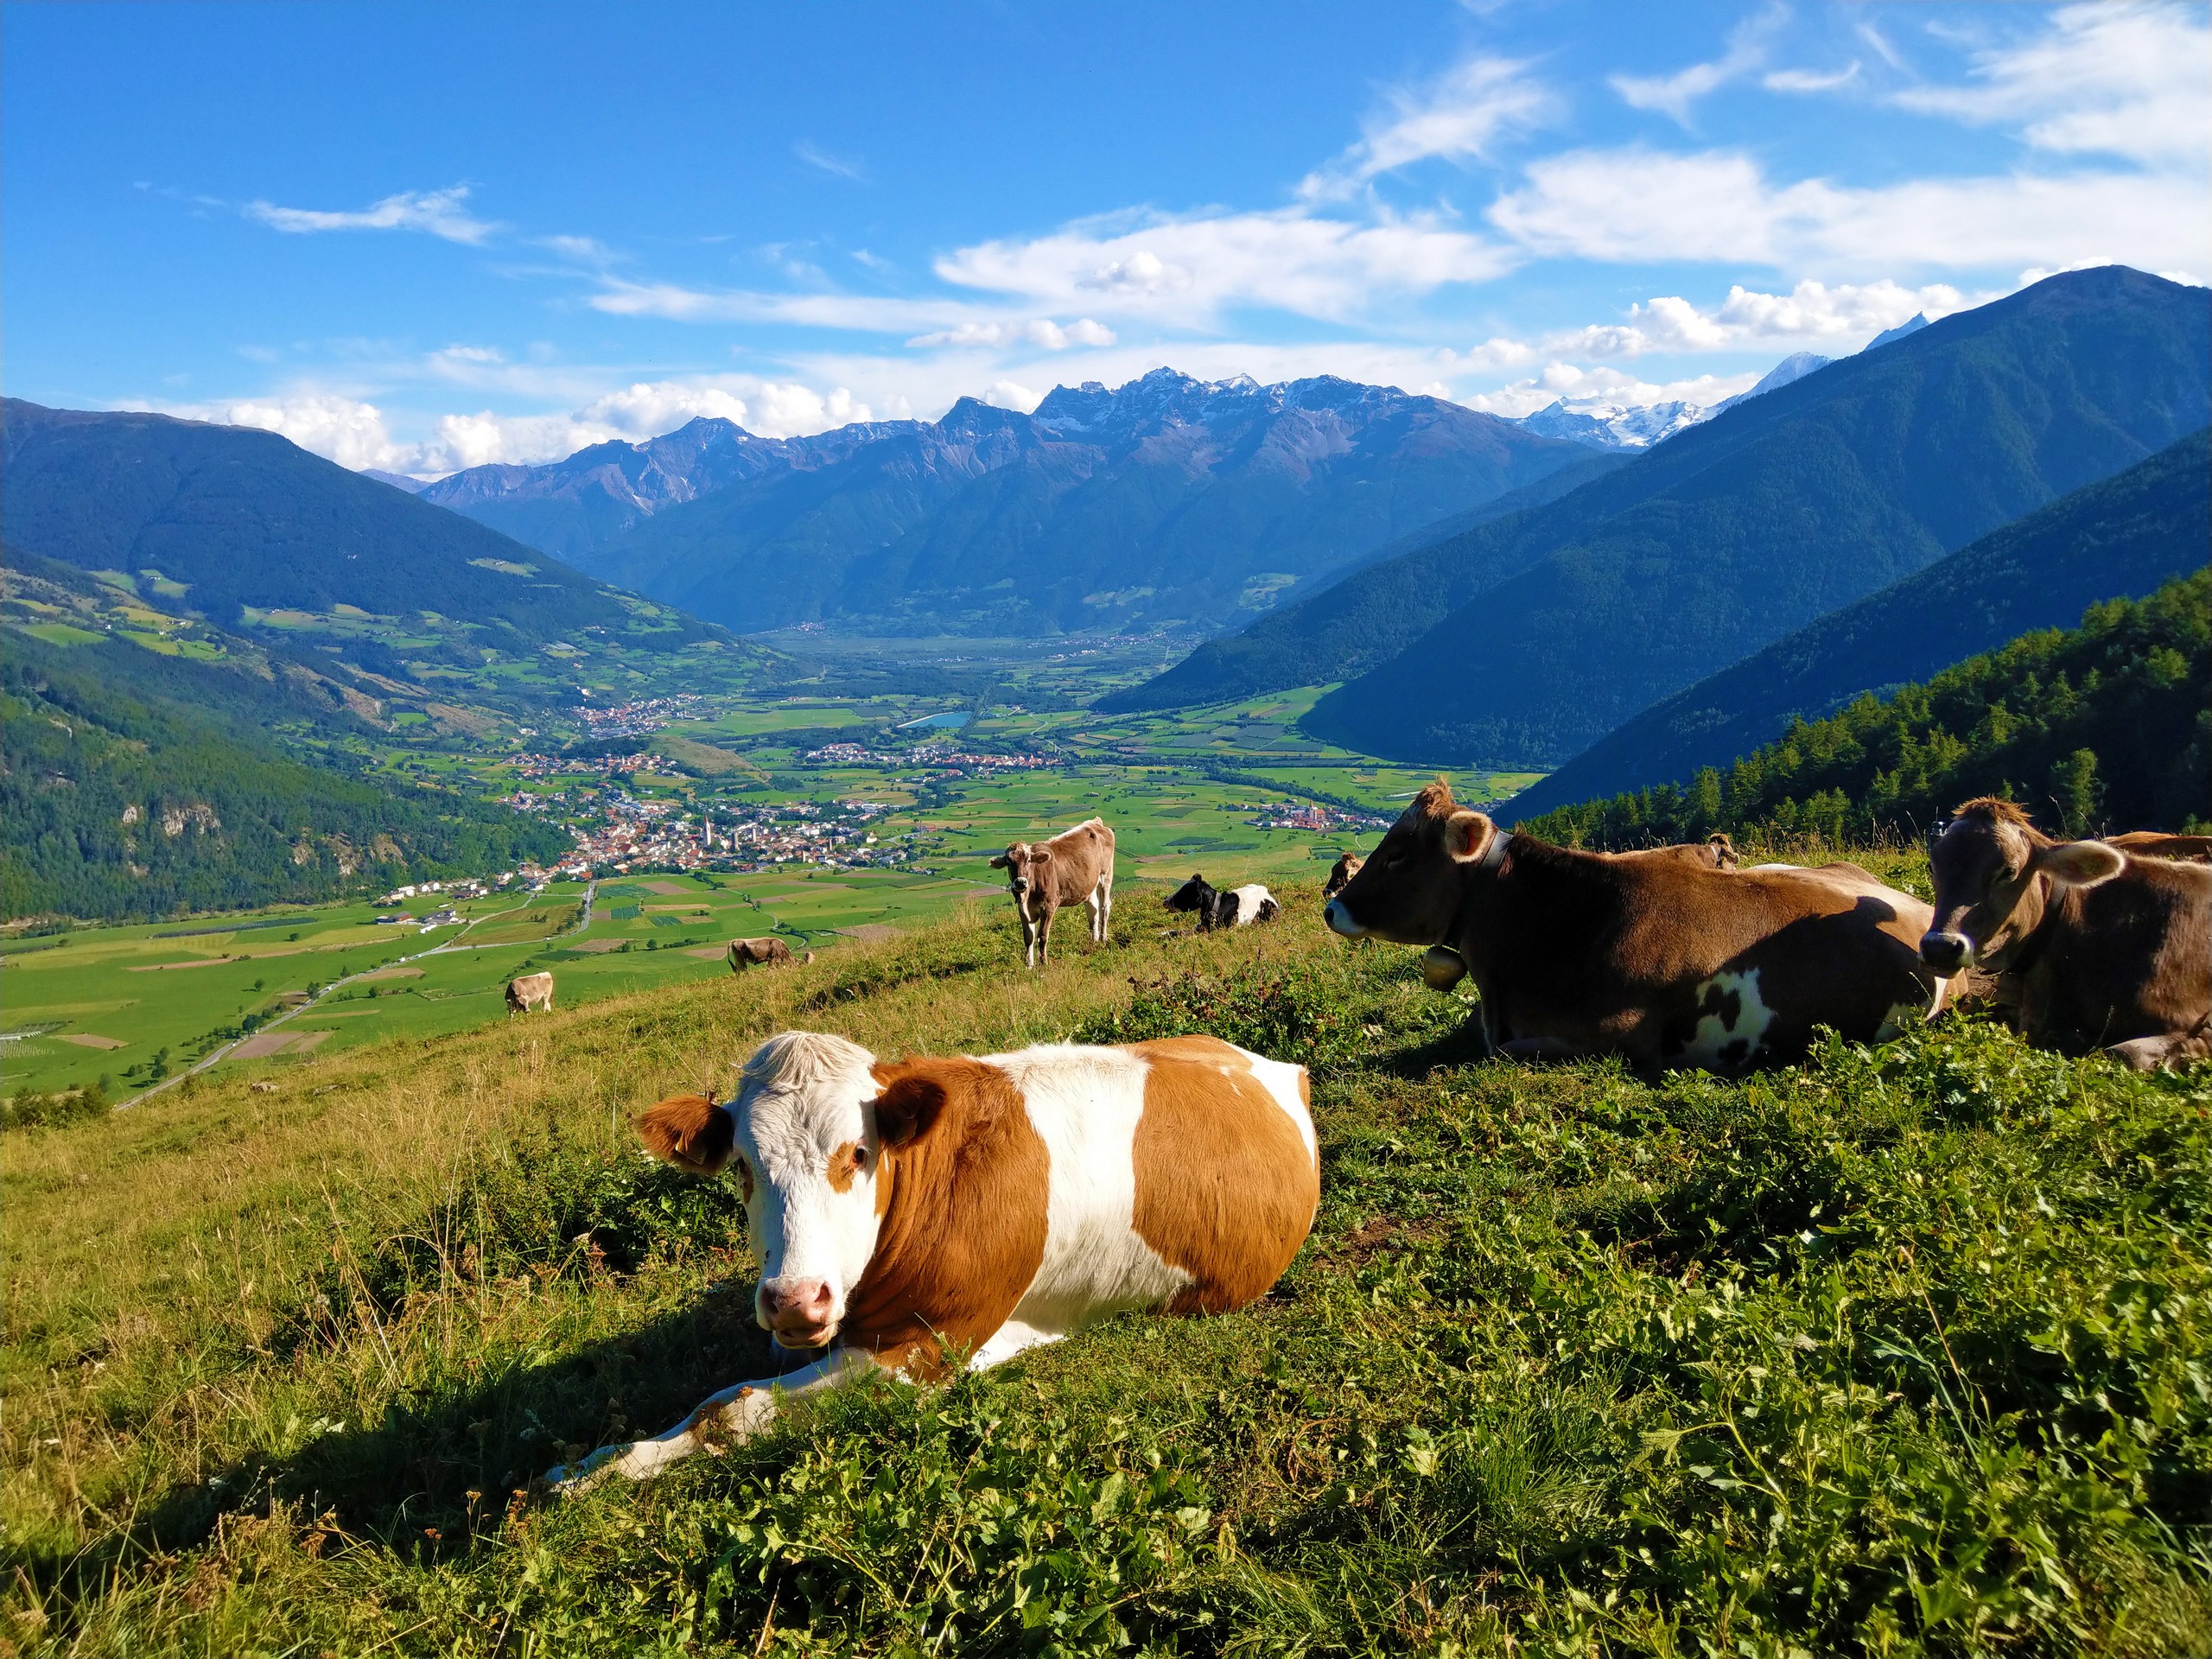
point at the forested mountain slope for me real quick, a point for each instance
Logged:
(243, 520)
(1732, 532)
(137, 785)
(2120, 538)
(1167, 501)
(2104, 728)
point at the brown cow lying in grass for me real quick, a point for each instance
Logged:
(2093, 946)
(1661, 957)
(907, 1211)
(1075, 866)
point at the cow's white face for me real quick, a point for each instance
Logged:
(806, 1143)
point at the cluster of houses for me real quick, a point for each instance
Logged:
(944, 757)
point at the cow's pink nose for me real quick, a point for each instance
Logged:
(795, 1304)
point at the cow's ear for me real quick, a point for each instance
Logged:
(1467, 836)
(1001, 862)
(905, 1111)
(2079, 863)
(690, 1132)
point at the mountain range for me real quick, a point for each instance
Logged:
(1167, 501)
(1519, 642)
(2121, 538)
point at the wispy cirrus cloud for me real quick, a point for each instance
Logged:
(1638, 205)
(2122, 79)
(822, 161)
(1676, 95)
(1459, 117)
(441, 214)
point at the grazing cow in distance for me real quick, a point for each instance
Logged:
(2092, 945)
(1346, 868)
(530, 991)
(1666, 961)
(1233, 907)
(1075, 866)
(901, 1210)
(764, 952)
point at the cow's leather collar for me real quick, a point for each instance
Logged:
(1495, 855)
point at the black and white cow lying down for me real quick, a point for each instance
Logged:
(1236, 907)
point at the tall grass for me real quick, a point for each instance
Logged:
(1899, 1351)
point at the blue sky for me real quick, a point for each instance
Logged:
(423, 238)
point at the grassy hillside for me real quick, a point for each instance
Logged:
(1521, 642)
(1898, 1353)
(2120, 538)
(2107, 727)
(245, 530)
(138, 784)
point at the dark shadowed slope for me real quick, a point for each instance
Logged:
(2104, 727)
(1792, 506)
(2120, 538)
(243, 518)
(1734, 532)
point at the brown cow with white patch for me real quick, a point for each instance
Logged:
(2092, 946)
(530, 991)
(1666, 961)
(764, 952)
(1075, 866)
(1346, 868)
(905, 1210)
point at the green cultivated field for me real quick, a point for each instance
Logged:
(1898, 1353)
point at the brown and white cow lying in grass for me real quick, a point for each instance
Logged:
(2093, 947)
(530, 991)
(1662, 957)
(1075, 866)
(904, 1211)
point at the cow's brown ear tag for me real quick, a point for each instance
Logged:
(1467, 836)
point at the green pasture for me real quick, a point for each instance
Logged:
(1898, 1353)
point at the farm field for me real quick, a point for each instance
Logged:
(160, 992)
(1893, 1352)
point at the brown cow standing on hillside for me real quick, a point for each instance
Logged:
(530, 991)
(1075, 866)
(2093, 946)
(906, 1212)
(764, 952)
(1346, 868)
(1665, 961)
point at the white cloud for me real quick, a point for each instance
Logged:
(1458, 118)
(1038, 331)
(342, 429)
(1810, 313)
(1674, 95)
(1005, 394)
(1809, 80)
(1637, 205)
(1573, 381)
(356, 433)
(1189, 270)
(437, 213)
(2130, 80)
